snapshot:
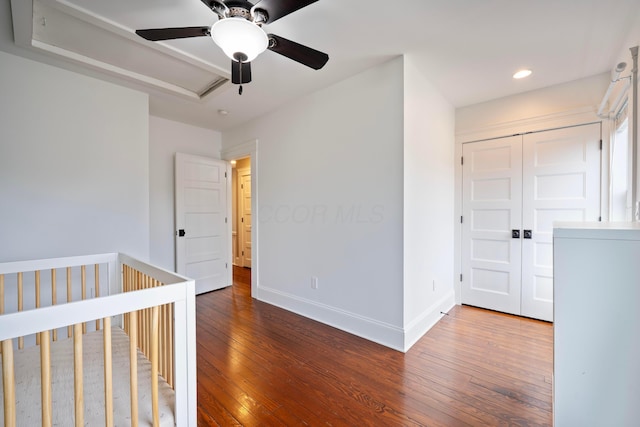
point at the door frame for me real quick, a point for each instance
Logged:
(243, 150)
(569, 118)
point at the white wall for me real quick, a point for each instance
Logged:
(330, 203)
(74, 165)
(167, 137)
(428, 201)
(540, 103)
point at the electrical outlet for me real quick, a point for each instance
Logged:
(314, 282)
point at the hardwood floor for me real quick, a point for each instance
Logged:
(259, 365)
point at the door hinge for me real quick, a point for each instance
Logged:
(225, 174)
(461, 219)
(242, 253)
(599, 219)
(461, 277)
(600, 144)
(242, 219)
(226, 265)
(242, 186)
(462, 160)
(225, 219)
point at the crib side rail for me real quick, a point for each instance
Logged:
(135, 280)
(55, 263)
(29, 285)
(175, 305)
(54, 317)
(178, 367)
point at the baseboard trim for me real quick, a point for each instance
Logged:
(373, 330)
(367, 328)
(421, 325)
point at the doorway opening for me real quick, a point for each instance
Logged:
(241, 220)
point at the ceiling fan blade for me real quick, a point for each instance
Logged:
(300, 53)
(157, 34)
(276, 9)
(238, 77)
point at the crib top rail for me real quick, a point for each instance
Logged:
(22, 323)
(63, 262)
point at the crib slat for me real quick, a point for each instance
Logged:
(20, 305)
(37, 278)
(83, 283)
(125, 288)
(154, 365)
(45, 378)
(69, 328)
(133, 363)
(54, 297)
(9, 384)
(77, 375)
(108, 375)
(97, 288)
(163, 341)
(145, 323)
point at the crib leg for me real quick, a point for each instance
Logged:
(9, 384)
(133, 363)
(154, 364)
(45, 381)
(77, 374)
(108, 377)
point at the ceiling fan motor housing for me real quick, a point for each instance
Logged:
(243, 9)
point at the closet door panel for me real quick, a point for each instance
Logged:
(492, 188)
(561, 182)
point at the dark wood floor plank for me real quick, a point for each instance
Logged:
(260, 365)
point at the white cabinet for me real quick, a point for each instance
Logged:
(597, 324)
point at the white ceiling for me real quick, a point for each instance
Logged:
(472, 47)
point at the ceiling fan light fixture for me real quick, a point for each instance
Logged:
(238, 35)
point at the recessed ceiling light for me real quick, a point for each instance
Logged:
(223, 112)
(522, 74)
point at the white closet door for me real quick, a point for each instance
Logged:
(492, 208)
(561, 182)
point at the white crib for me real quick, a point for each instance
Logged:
(96, 340)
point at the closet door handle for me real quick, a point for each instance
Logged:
(527, 234)
(515, 234)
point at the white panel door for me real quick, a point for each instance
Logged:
(202, 230)
(523, 184)
(244, 176)
(492, 204)
(561, 182)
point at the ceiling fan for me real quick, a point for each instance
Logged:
(240, 35)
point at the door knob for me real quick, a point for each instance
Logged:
(527, 234)
(181, 233)
(515, 234)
